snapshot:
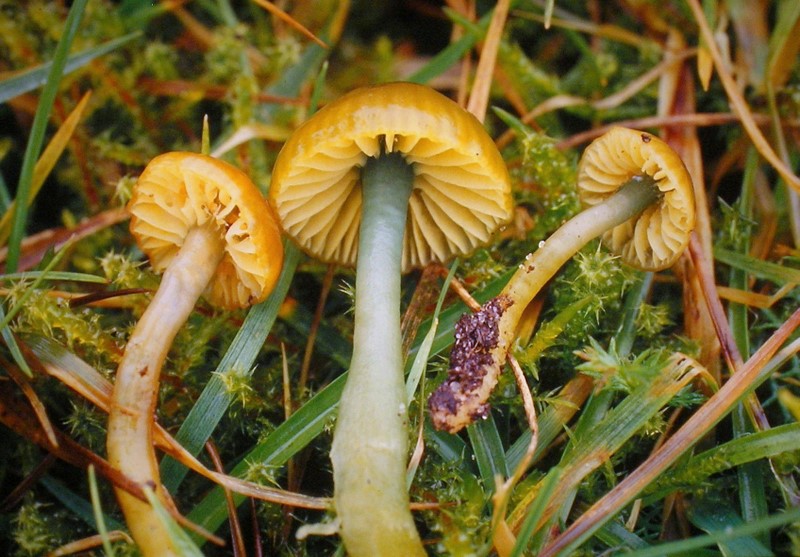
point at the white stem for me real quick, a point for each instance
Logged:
(130, 425)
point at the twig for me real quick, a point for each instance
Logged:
(327, 281)
(233, 517)
(699, 119)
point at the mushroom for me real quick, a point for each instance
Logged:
(208, 228)
(387, 178)
(640, 200)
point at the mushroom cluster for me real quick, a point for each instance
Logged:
(208, 228)
(640, 200)
(387, 178)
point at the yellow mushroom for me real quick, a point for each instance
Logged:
(386, 178)
(640, 200)
(208, 228)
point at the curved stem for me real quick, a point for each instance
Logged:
(540, 266)
(370, 443)
(130, 424)
(484, 338)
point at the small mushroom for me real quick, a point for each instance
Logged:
(640, 200)
(208, 228)
(387, 178)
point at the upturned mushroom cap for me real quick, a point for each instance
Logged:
(178, 191)
(654, 240)
(461, 192)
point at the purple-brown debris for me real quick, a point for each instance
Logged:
(473, 373)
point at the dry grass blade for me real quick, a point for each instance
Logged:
(233, 516)
(479, 98)
(754, 299)
(327, 282)
(612, 101)
(13, 498)
(292, 22)
(34, 247)
(677, 96)
(466, 10)
(606, 31)
(588, 455)
(180, 87)
(249, 132)
(724, 333)
(204, 37)
(37, 406)
(89, 543)
(20, 418)
(740, 105)
(503, 537)
(105, 299)
(718, 318)
(699, 119)
(635, 86)
(46, 162)
(456, 286)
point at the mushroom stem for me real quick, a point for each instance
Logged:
(370, 442)
(483, 339)
(130, 425)
(640, 192)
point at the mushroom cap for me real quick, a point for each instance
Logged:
(655, 239)
(178, 191)
(461, 192)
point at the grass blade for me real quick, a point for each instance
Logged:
(78, 505)
(55, 275)
(750, 448)
(99, 519)
(45, 164)
(180, 539)
(536, 511)
(286, 441)
(712, 514)
(32, 78)
(38, 130)
(690, 546)
(758, 268)
(37, 281)
(450, 55)
(489, 453)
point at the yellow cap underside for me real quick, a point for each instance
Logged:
(461, 191)
(657, 238)
(178, 191)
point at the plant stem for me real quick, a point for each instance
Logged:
(130, 424)
(370, 442)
